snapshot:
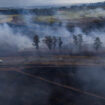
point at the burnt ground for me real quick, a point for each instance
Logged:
(51, 85)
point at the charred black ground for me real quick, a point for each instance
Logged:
(19, 88)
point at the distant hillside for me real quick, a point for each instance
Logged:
(46, 10)
(86, 6)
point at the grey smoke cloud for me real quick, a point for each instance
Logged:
(9, 39)
(5, 3)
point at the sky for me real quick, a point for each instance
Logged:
(6, 3)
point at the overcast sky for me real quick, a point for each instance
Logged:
(5, 3)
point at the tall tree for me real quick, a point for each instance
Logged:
(60, 42)
(54, 42)
(80, 41)
(36, 41)
(75, 40)
(97, 43)
(48, 41)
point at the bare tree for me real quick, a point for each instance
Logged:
(97, 43)
(36, 41)
(48, 41)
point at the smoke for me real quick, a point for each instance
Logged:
(90, 37)
(25, 90)
(17, 41)
(91, 79)
(9, 39)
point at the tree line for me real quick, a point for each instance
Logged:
(50, 42)
(53, 42)
(78, 41)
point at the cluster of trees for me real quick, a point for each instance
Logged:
(50, 42)
(53, 42)
(78, 41)
(43, 11)
(37, 11)
(97, 43)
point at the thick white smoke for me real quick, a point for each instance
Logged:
(19, 41)
(90, 37)
(11, 39)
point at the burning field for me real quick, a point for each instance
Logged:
(52, 56)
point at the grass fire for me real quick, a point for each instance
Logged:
(52, 55)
